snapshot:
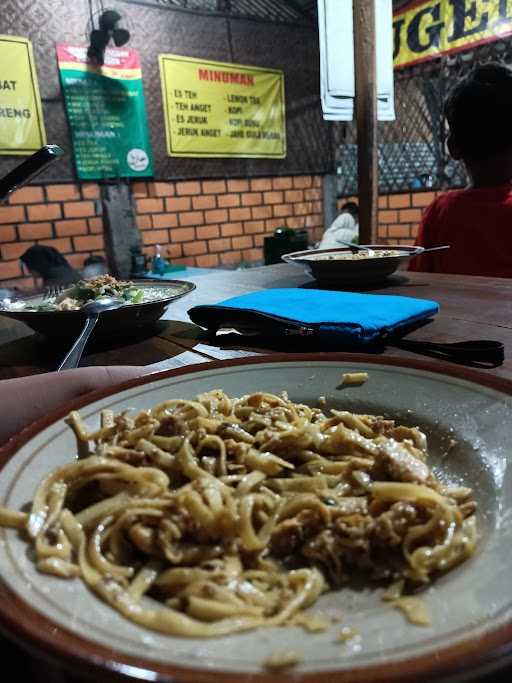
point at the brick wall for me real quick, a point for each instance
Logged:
(200, 223)
(223, 222)
(399, 216)
(204, 223)
(66, 217)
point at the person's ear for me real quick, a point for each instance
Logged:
(453, 148)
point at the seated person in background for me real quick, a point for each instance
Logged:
(477, 221)
(345, 228)
(48, 264)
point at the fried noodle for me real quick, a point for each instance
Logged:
(217, 515)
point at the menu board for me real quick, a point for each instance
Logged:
(21, 118)
(106, 113)
(218, 109)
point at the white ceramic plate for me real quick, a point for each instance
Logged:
(471, 606)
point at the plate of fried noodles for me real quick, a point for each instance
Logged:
(264, 519)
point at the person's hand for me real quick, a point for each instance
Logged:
(24, 400)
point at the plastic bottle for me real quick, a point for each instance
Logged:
(159, 263)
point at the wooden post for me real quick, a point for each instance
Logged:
(366, 116)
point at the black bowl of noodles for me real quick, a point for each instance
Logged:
(146, 308)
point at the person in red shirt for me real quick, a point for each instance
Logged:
(476, 222)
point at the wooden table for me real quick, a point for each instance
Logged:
(471, 308)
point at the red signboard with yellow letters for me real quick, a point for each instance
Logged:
(429, 28)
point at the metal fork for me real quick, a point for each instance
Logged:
(52, 292)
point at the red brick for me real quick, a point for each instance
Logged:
(259, 212)
(143, 222)
(312, 195)
(302, 181)
(226, 200)
(155, 236)
(387, 216)
(231, 257)
(62, 244)
(214, 186)
(27, 195)
(242, 242)
(219, 245)
(315, 221)
(14, 250)
(273, 223)
(408, 242)
(207, 232)
(296, 222)
(193, 187)
(73, 227)
(7, 233)
(182, 234)
(216, 216)
(317, 181)
(302, 208)
(191, 218)
(178, 204)
(423, 198)
(43, 212)
(90, 191)
(229, 229)
(22, 282)
(95, 224)
(252, 254)
(139, 189)
(194, 248)
(10, 269)
(12, 214)
(414, 230)
(282, 210)
(88, 243)
(399, 231)
(399, 201)
(62, 193)
(273, 197)
(174, 250)
(79, 209)
(150, 205)
(207, 261)
(165, 220)
(261, 184)
(284, 183)
(259, 240)
(238, 185)
(294, 196)
(254, 226)
(252, 199)
(239, 214)
(204, 202)
(383, 202)
(409, 216)
(35, 231)
(161, 189)
(189, 261)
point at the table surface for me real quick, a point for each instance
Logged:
(471, 308)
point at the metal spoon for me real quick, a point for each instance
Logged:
(356, 248)
(92, 309)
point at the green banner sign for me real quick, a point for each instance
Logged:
(106, 113)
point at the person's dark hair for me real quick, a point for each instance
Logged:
(479, 112)
(93, 259)
(49, 264)
(351, 208)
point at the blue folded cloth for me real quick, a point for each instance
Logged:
(345, 318)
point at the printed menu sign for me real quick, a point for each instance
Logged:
(21, 117)
(218, 109)
(106, 113)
